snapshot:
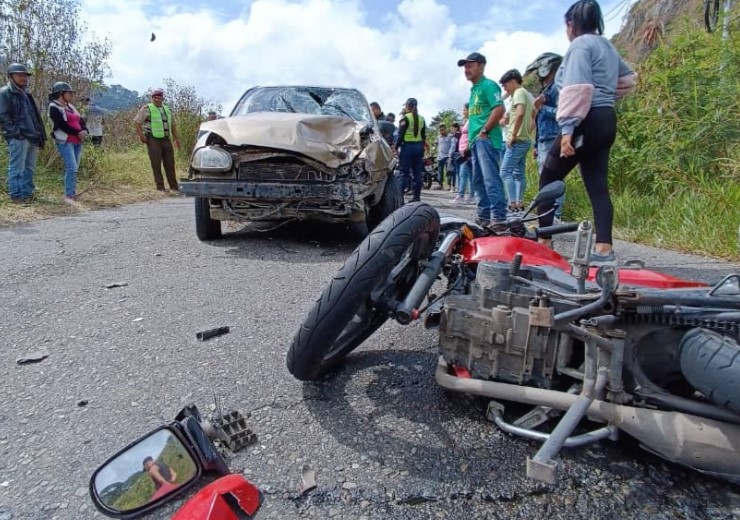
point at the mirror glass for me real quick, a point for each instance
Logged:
(550, 192)
(145, 472)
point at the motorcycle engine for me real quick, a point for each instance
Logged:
(501, 331)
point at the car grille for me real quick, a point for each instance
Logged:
(288, 171)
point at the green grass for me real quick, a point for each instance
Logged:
(106, 179)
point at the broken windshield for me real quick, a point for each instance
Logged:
(305, 100)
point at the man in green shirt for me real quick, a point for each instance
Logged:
(514, 164)
(485, 111)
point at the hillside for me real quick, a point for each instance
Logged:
(650, 21)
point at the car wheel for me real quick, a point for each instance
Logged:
(205, 227)
(391, 200)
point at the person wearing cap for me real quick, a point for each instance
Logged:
(519, 139)
(23, 130)
(412, 136)
(68, 132)
(485, 110)
(155, 126)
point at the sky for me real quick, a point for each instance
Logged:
(388, 49)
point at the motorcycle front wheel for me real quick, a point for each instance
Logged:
(346, 314)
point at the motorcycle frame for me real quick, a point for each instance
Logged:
(710, 445)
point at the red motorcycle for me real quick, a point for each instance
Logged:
(641, 352)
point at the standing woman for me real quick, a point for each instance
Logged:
(68, 131)
(591, 78)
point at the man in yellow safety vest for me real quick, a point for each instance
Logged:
(155, 125)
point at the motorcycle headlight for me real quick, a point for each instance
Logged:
(211, 159)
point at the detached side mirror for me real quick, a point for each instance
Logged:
(145, 474)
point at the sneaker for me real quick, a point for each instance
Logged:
(499, 226)
(71, 199)
(469, 199)
(598, 259)
(458, 199)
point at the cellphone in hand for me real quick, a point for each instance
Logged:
(578, 142)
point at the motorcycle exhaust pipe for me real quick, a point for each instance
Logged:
(705, 445)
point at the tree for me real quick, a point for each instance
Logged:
(54, 54)
(447, 117)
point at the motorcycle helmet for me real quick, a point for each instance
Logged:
(61, 86)
(18, 68)
(544, 64)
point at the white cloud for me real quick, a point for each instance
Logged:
(325, 42)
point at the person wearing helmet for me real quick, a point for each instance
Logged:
(68, 131)
(546, 105)
(23, 130)
(412, 136)
(155, 126)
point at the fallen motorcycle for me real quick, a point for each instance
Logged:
(642, 352)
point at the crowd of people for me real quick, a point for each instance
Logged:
(571, 122)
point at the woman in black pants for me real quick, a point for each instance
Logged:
(590, 79)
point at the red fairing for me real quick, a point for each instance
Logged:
(503, 249)
(209, 503)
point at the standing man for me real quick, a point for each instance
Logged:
(444, 150)
(485, 110)
(412, 136)
(23, 130)
(546, 105)
(377, 111)
(94, 119)
(519, 139)
(155, 124)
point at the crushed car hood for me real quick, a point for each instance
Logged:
(331, 140)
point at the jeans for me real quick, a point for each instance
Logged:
(71, 154)
(441, 165)
(513, 170)
(487, 180)
(22, 155)
(543, 148)
(463, 181)
(412, 161)
(452, 172)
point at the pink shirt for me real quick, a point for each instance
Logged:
(73, 120)
(462, 146)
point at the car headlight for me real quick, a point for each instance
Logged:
(211, 159)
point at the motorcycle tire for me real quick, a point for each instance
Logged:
(345, 316)
(711, 363)
(390, 201)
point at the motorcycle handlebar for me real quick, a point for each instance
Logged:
(558, 229)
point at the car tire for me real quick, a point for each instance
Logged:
(345, 316)
(205, 227)
(390, 201)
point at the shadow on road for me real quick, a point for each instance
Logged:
(299, 242)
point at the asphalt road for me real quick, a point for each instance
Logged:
(384, 440)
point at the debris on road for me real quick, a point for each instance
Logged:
(415, 500)
(116, 284)
(82, 403)
(328, 253)
(211, 333)
(138, 319)
(308, 478)
(33, 357)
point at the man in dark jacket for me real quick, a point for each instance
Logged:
(23, 130)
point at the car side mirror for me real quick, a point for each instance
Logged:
(150, 471)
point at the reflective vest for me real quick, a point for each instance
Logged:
(155, 118)
(409, 136)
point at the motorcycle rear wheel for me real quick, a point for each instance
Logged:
(345, 315)
(711, 363)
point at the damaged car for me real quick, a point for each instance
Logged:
(292, 153)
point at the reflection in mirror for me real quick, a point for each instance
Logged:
(147, 471)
